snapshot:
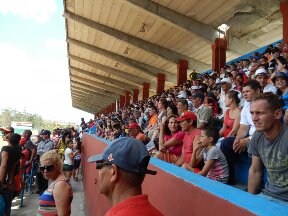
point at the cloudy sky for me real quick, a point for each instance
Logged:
(33, 60)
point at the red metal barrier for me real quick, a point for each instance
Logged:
(168, 193)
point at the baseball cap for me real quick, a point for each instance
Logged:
(187, 115)
(45, 132)
(7, 129)
(261, 71)
(279, 74)
(127, 153)
(182, 94)
(133, 125)
(226, 80)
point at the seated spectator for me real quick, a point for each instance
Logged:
(182, 106)
(238, 81)
(152, 122)
(170, 140)
(234, 148)
(117, 131)
(171, 109)
(203, 113)
(232, 115)
(134, 132)
(188, 123)
(282, 65)
(262, 77)
(268, 147)
(226, 87)
(213, 87)
(216, 166)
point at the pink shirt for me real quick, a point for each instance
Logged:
(177, 150)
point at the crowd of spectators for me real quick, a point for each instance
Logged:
(178, 126)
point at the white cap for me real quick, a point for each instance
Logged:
(182, 94)
(194, 87)
(226, 80)
(261, 71)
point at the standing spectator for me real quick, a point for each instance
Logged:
(268, 147)
(57, 199)
(30, 146)
(6, 131)
(121, 180)
(9, 168)
(68, 159)
(77, 159)
(43, 147)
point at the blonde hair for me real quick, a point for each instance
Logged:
(52, 156)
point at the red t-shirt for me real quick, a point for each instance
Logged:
(132, 206)
(188, 144)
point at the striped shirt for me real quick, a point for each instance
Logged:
(47, 205)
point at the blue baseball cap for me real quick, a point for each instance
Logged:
(127, 153)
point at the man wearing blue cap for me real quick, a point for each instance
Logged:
(122, 168)
(44, 146)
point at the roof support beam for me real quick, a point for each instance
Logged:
(76, 106)
(91, 94)
(111, 71)
(97, 84)
(85, 104)
(96, 99)
(164, 53)
(105, 79)
(188, 24)
(93, 89)
(90, 100)
(152, 71)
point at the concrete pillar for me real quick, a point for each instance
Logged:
(121, 101)
(161, 83)
(219, 53)
(127, 98)
(135, 95)
(284, 11)
(113, 107)
(146, 87)
(182, 72)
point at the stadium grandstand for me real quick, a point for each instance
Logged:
(141, 66)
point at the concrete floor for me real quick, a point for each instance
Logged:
(31, 202)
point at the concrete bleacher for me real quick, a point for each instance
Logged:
(175, 191)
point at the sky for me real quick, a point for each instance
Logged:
(33, 60)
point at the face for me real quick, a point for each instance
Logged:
(104, 178)
(169, 111)
(49, 169)
(211, 82)
(263, 80)
(228, 101)
(204, 140)
(173, 125)
(254, 67)
(239, 79)
(181, 108)
(263, 118)
(225, 86)
(196, 102)
(280, 82)
(185, 125)
(248, 93)
(280, 66)
(132, 132)
(160, 105)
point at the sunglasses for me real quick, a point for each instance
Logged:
(48, 168)
(101, 165)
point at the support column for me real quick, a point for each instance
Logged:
(146, 87)
(121, 101)
(182, 72)
(284, 11)
(161, 83)
(113, 107)
(135, 95)
(219, 53)
(127, 98)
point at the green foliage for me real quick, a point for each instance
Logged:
(8, 115)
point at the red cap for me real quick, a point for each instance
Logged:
(133, 125)
(187, 116)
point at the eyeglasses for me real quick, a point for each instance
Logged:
(101, 165)
(48, 168)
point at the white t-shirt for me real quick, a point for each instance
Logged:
(67, 157)
(246, 118)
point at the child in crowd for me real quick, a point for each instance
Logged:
(77, 159)
(216, 166)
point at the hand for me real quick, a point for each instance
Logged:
(163, 149)
(241, 145)
(196, 143)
